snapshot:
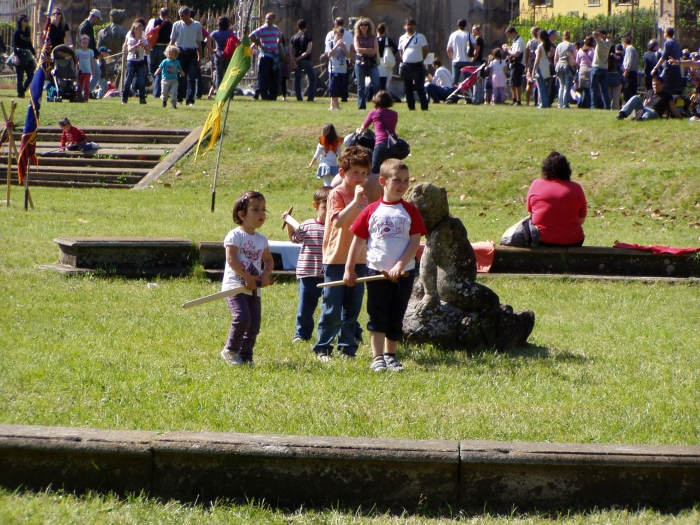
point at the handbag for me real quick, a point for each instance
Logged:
(522, 234)
(397, 147)
(366, 140)
(389, 59)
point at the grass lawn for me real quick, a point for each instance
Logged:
(607, 362)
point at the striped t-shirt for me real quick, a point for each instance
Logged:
(268, 36)
(310, 236)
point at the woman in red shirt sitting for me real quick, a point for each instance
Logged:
(557, 204)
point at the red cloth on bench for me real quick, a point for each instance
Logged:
(485, 252)
(656, 248)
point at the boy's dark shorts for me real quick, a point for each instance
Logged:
(387, 303)
(516, 74)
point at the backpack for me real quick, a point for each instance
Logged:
(231, 44)
(152, 35)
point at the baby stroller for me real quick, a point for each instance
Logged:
(65, 76)
(465, 88)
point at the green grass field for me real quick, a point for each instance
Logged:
(607, 362)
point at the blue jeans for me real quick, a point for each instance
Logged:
(438, 93)
(135, 70)
(309, 294)
(542, 92)
(636, 103)
(307, 67)
(268, 77)
(188, 84)
(360, 73)
(340, 307)
(380, 153)
(154, 59)
(457, 71)
(478, 97)
(599, 86)
(566, 79)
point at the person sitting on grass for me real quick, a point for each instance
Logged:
(310, 264)
(655, 105)
(440, 86)
(389, 232)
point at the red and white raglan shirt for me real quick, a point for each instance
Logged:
(387, 227)
(310, 236)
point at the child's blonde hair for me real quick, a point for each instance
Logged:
(172, 49)
(391, 167)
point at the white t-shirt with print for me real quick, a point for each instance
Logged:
(412, 47)
(250, 254)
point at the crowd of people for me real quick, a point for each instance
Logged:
(593, 73)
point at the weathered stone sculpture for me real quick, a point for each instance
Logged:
(448, 307)
(112, 36)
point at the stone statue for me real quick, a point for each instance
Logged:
(113, 36)
(448, 307)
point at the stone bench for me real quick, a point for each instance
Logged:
(173, 256)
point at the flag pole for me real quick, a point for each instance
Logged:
(218, 158)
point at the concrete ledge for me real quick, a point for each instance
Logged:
(143, 256)
(124, 254)
(291, 471)
(593, 260)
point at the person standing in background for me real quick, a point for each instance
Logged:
(164, 26)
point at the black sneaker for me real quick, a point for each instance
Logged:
(621, 116)
(165, 104)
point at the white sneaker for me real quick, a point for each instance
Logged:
(325, 358)
(392, 364)
(231, 358)
(378, 364)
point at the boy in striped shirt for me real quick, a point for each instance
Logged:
(310, 265)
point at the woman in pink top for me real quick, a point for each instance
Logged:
(384, 121)
(584, 60)
(557, 205)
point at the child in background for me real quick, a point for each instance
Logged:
(248, 263)
(389, 232)
(73, 139)
(87, 66)
(103, 53)
(310, 264)
(329, 143)
(169, 69)
(337, 53)
(341, 305)
(499, 77)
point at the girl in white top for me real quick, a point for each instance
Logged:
(248, 265)
(327, 151)
(499, 77)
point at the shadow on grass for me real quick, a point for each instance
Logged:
(433, 356)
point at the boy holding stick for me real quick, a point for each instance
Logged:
(310, 265)
(388, 233)
(341, 305)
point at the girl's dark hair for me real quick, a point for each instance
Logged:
(381, 28)
(26, 31)
(64, 121)
(543, 36)
(497, 53)
(382, 100)
(223, 23)
(329, 133)
(590, 41)
(652, 45)
(241, 204)
(556, 166)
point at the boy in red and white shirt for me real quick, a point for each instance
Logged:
(390, 231)
(310, 264)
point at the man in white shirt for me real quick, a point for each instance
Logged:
(515, 51)
(349, 42)
(413, 48)
(599, 74)
(440, 86)
(458, 47)
(630, 65)
(187, 35)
